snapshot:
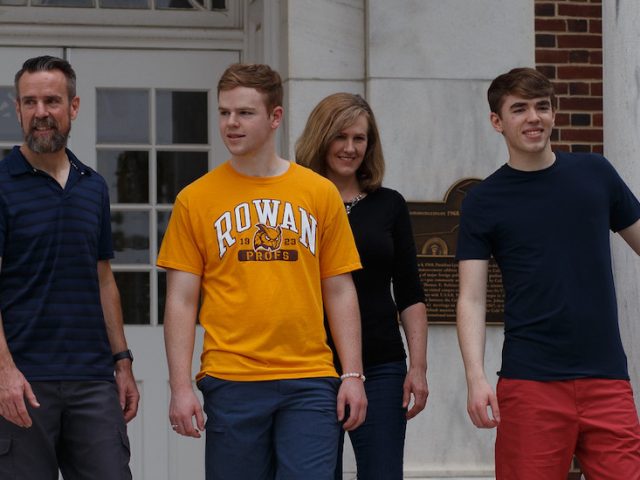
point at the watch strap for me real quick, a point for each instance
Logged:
(122, 355)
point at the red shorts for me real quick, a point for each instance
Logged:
(542, 425)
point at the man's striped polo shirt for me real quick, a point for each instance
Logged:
(50, 242)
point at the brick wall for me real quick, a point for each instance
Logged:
(569, 52)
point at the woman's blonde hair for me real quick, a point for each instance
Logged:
(330, 117)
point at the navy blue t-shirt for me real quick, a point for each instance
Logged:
(50, 242)
(549, 233)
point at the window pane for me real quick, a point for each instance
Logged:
(182, 117)
(63, 3)
(144, 4)
(163, 222)
(176, 170)
(162, 294)
(13, 2)
(130, 233)
(9, 128)
(168, 4)
(123, 115)
(126, 173)
(134, 295)
(190, 4)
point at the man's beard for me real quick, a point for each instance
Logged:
(55, 142)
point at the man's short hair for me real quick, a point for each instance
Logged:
(47, 63)
(524, 82)
(257, 76)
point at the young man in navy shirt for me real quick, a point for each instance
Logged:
(545, 217)
(61, 333)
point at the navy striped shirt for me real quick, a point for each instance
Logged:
(50, 242)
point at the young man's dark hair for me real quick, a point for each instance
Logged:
(524, 82)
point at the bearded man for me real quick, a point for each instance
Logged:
(66, 383)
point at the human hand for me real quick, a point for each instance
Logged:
(127, 389)
(415, 383)
(183, 409)
(14, 388)
(351, 394)
(481, 398)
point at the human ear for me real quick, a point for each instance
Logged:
(496, 122)
(276, 116)
(75, 106)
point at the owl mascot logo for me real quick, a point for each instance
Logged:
(267, 238)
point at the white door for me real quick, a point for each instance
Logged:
(147, 123)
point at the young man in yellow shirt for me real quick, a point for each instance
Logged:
(267, 246)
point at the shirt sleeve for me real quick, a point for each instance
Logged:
(407, 288)
(105, 240)
(179, 250)
(3, 226)
(624, 209)
(474, 231)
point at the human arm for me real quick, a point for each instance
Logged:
(470, 319)
(341, 305)
(112, 311)
(14, 388)
(409, 296)
(181, 308)
(414, 323)
(631, 235)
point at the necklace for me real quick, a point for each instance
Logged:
(354, 201)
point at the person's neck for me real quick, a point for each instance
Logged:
(349, 187)
(55, 164)
(531, 162)
(260, 165)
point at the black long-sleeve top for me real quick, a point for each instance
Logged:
(382, 230)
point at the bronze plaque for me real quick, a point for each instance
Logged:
(435, 229)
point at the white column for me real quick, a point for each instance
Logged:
(325, 54)
(621, 42)
(429, 65)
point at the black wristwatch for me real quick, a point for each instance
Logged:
(123, 354)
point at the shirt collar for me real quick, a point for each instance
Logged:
(19, 165)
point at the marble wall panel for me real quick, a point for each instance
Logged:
(452, 39)
(622, 147)
(434, 132)
(327, 39)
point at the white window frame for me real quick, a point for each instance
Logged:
(117, 28)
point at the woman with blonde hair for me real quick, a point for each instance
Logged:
(341, 142)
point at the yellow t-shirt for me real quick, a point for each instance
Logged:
(261, 247)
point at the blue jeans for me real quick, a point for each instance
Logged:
(279, 429)
(378, 443)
